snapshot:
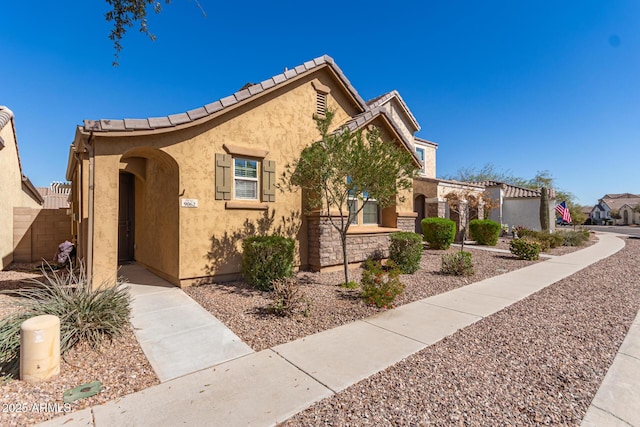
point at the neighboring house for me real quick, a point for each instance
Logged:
(16, 190)
(516, 206)
(178, 194)
(624, 205)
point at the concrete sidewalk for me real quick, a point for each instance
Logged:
(270, 386)
(177, 335)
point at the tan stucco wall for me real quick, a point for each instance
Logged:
(12, 193)
(182, 244)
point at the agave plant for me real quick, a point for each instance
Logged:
(86, 315)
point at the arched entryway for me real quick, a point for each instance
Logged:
(419, 208)
(625, 217)
(149, 210)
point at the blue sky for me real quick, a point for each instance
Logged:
(524, 85)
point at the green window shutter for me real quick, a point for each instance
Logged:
(268, 181)
(223, 176)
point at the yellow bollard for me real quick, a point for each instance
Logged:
(39, 348)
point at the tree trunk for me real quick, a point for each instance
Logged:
(345, 259)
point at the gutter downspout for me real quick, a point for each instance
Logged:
(90, 213)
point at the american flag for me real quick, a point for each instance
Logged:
(563, 210)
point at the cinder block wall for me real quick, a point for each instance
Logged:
(38, 232)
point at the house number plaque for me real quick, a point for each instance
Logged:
(189, 203)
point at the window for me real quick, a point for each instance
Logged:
(245, 179)
(420, 153)
(370, 212)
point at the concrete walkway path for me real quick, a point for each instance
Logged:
(264, 388)
(177, 335)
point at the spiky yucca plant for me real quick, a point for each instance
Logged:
(86, 315)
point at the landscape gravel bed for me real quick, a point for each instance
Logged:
(245, 310)
(120, 365)
(537, 362)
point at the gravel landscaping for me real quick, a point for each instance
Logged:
(245, 310)
(537, 362)
(121, 366)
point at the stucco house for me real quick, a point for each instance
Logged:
(178, 194)
(516, 206)
(16, 190)
(625, 205)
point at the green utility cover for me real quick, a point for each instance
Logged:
(82, 391)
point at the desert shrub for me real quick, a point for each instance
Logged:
(265, 259)
(380, 287)
(457, 264)
(574, 237)
(438, 232)
(288, 298)
(86, 315)
(522, 231)
(405, 251)
(484, 231)
(525, 248)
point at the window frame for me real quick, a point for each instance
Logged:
(423, 168)
(255, 179)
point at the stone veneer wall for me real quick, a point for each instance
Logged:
(325, 249)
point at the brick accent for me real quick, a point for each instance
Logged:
(325, 249)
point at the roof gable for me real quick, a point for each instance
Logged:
(218, 107)
(394, 96)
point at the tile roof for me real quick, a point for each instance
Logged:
(382, 99)
(241, 95)
(369, 115)
(513, 191)
(55, 196)
(616, 201)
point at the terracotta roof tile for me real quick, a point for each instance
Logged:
(177, 119)
(136, 124)
(159, 122)
(243, 94)
(197, 113)
(213, 107)
(107, 124)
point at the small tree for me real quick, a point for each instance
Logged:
(346, 166)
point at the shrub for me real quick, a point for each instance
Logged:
(86, 315)
(547, 240)
(522, 231)
(573, 237)
(457, 264)
(525, 248)
(484, 231)
(265, 259)
(379, 287)
(438, 232)
(405, 251)
(288, 298)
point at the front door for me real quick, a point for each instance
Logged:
(126, 216)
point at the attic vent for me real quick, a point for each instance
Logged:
(321, 97)
(321, 104)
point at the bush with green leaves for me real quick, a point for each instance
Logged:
(380, 285)
(267, 258)
(405, 250)
(484, 231)
(86, 315)
(438, 232)
(288, 298)
(522, 231)
(574, 237)
(457, 264)
(525, 248)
